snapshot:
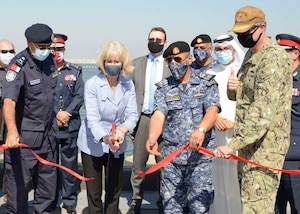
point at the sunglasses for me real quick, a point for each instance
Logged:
(157, 40)
(6, 51)
(176, 59)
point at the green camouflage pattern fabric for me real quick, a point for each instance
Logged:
(262, 124)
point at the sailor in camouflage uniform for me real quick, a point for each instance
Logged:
(263, 104)
(186, 104)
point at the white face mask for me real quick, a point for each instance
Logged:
(5, 58)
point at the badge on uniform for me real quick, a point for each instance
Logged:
(15, 67)
(295, 92)
(70, 77)
(10, 75)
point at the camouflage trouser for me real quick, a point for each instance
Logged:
(259, 186)
(183, 185)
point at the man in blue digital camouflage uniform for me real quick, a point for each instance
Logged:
(186, 107)
(289, 188)
(202, 51)
(67, 101)
(28, 112)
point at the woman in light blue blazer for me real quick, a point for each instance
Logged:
(109, 97)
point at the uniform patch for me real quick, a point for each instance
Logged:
(15, 67)
(198, 94)
(173, 98)
(10, 75)
(295, 92)
(35, 82)
(70, 77)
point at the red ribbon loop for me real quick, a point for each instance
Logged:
(205, 151)
(43, 161)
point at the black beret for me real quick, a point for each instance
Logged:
(288, 41)
(202, 38)
(39, 33)
(177, 48)
(58, 40)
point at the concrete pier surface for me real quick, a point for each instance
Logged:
(148, 205)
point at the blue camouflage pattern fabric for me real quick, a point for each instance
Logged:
(199, 68)
(262, 124)
(187, 179)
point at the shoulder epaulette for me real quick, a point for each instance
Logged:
(206, 76)
(162, 83)
(21, 61)
(78, 67)
(211, 82)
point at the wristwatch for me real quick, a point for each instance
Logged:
(202, 130)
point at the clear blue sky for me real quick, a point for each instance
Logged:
(91, 23)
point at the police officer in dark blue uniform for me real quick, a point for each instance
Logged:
(28, 95)
(67, 101)
(289, 189)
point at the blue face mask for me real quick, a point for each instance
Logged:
(178, 70)
(224, 57)
(200, 54)
(113, 70)
(41, 55)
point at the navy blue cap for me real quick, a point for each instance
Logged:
(288, 41)
(39, 33)
(202, 38)
(58, 40)
(177, 48)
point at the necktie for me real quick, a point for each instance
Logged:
(152, 85)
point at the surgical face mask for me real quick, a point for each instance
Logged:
(155, 47)
(113, 70)
(178, 70)
(200, 54)
(246, 39)
(5, 58)
(224, 57)
(59, 56)
(41, 55)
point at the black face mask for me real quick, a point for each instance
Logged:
(155, 47)
(247, 41)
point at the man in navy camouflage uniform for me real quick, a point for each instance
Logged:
(67, 101)
(202, 51)
(186, 107)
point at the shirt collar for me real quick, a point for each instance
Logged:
(159, 58)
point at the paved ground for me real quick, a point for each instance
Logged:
(149, 202)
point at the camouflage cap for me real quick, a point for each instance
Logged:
(246, 17)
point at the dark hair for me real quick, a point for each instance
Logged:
(159, 29)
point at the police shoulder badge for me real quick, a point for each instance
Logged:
(10, 75)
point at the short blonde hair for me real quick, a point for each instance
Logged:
(115, 48)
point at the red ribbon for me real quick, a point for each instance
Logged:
(205, 151)
(43, 161)
(113, 132)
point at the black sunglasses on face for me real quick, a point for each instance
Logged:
(158, 40)
(6, 51)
